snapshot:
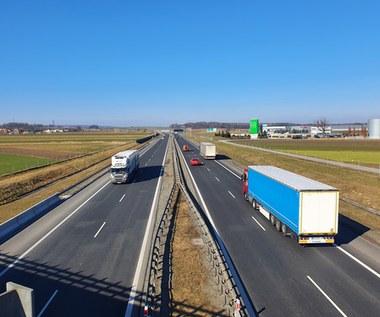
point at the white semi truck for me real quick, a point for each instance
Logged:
(207, 150)
(124, 164)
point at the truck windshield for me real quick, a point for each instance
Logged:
(118, 170)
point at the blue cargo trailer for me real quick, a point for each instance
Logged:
(303, 208)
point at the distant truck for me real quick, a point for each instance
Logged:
(302, 208)
(207, 150)
(185, 148)
(124, 165)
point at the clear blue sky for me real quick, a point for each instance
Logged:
(158, 62)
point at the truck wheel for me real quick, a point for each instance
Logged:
(293, 236)
(246, 196)
(272, 219)
(278, 225)
(284, 229)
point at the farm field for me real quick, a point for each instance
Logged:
(22, 152)
(10, 163)
(354, 151)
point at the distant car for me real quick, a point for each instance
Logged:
(185, 148)
(195, 161)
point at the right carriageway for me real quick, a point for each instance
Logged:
(283, 278)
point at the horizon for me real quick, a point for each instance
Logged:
(178, 124)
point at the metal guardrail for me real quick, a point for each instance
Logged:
(225, 277)
(221, 264)
(163, 227)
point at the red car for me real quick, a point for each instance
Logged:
(195, 161)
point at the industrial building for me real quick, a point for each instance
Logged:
(374, 128)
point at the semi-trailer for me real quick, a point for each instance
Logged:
(302, 208)
(124, 165)
(207, 150)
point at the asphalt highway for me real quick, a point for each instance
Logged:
(81, 257)
(283, 278)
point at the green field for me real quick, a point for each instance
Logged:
(353, 157)
(10, 164)
(361, 152)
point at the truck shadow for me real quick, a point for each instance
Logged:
(349, 230)
(146, 173)
(221, 157)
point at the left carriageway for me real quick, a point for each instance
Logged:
(81, 258)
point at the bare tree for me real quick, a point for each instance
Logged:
(322, 125)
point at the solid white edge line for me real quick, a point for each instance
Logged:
(121, 198)
(49, 233)
(96, 234)
(231, 194)
(133, 292)
(227, 169)
(328, 298)
(48, 303)
(358, 261)
(258, 223)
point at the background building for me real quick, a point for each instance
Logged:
(374, 128)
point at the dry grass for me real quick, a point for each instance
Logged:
(193, 289)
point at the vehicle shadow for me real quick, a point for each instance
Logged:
(221, 157)
(146, 173)
(349, 230)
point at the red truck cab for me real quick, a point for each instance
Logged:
(244, 178)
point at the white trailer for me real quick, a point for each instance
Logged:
(124, 164)
(207, 150)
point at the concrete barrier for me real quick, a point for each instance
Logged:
(19, 222)
(17, 301)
